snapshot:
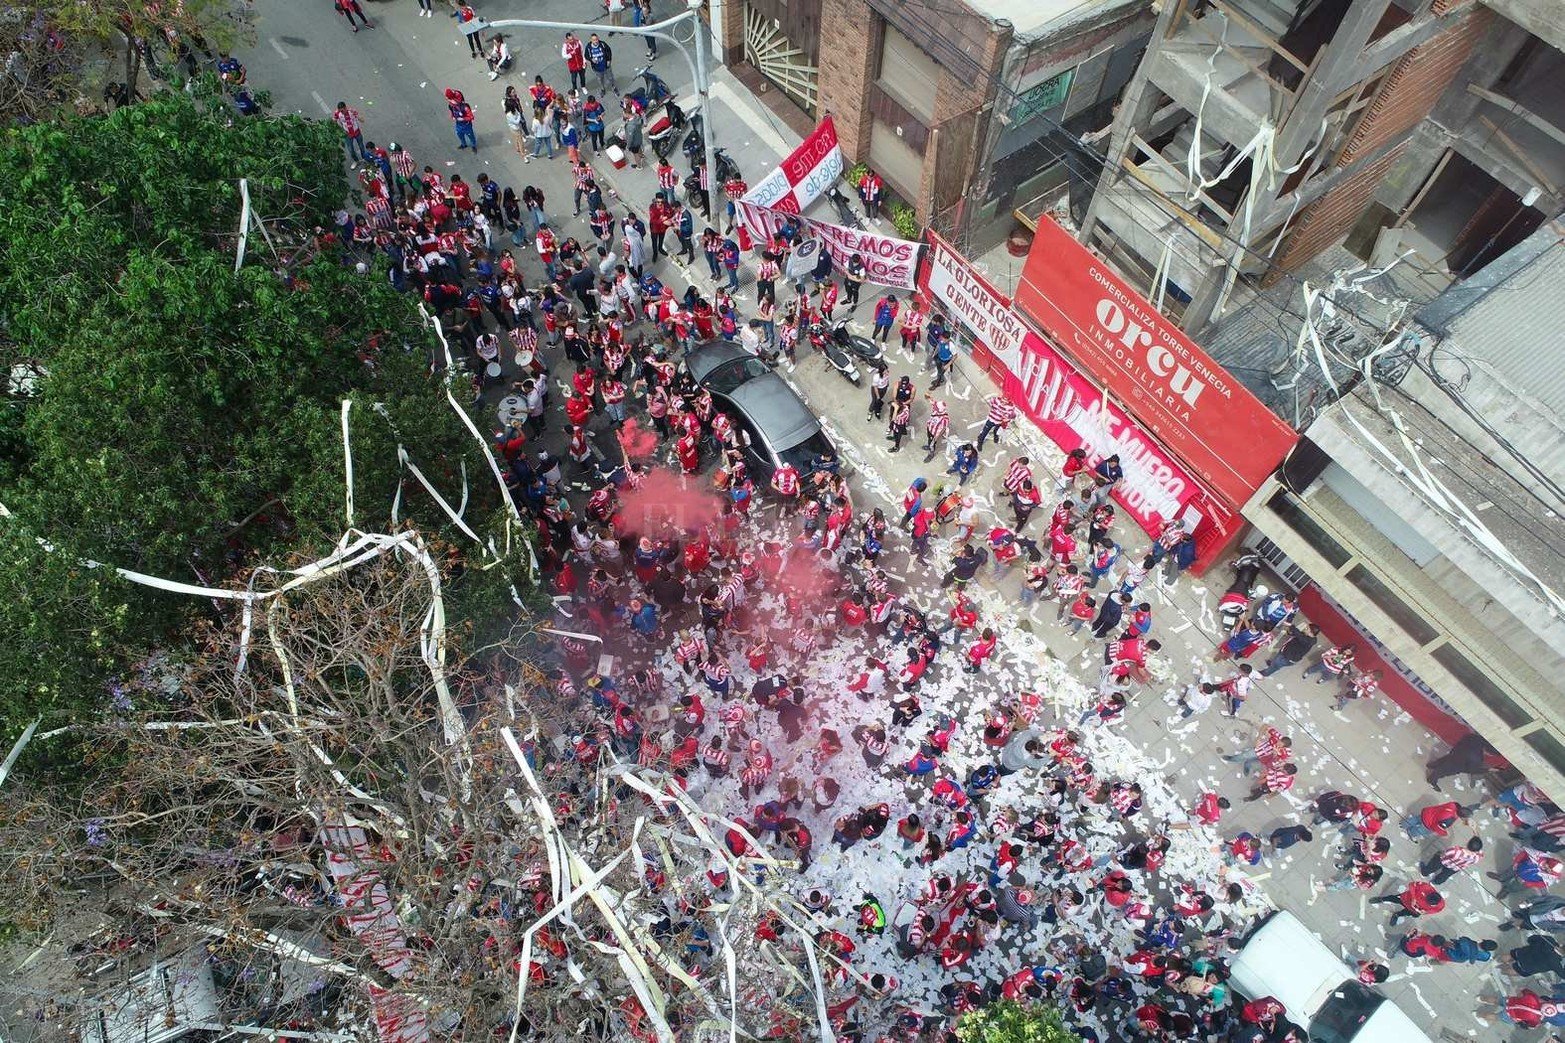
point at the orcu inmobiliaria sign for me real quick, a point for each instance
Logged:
(1221, 432)
(1054, 394)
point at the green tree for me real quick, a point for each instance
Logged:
(167, 415)
(52, 44)
(1010, 1022)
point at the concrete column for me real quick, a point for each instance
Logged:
(1339, 66)
(1136, 107)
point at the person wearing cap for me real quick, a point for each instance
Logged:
(885, 317)
(461, 118)
(1015, 903)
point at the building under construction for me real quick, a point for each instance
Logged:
(1257, 135)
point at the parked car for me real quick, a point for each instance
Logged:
(780, 426)
(1284, 959)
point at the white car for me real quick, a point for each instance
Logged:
(1285, 959)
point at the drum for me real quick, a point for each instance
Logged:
(512, 407)
(492, 371)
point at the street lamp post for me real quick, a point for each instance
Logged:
(663, 31)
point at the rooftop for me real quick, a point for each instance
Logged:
(1467, 436)
(1032, 19)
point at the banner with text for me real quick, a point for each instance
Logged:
(888, 261)
(1216, 427)
(1065, 405)
(1075, 414)
(970, 299)
(804, 176)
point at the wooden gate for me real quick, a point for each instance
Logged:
(779, 59)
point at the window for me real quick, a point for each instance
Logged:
(1482, 685)
(898, 162)
(1345, 1011)
(1295, 517)
(908, 74)
(1388, 601)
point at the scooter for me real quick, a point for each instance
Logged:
(836, 356)
(1235, 601)
(662, 128)
(866, 350)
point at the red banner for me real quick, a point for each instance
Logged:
(1073, 412)
(1215, 426)
(805, 175)
(888, 261)
(1063, 403)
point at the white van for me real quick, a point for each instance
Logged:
(187, 995)
(164, 1003)
(1285, 959)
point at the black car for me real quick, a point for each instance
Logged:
(762, 405)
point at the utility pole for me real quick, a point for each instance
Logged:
(664, 31)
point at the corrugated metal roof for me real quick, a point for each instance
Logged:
(1513, 325)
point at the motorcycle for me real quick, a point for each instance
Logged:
(1235, 601)
(845, 212)
(662, 128)
(695, 195)
(727, 169)
(695, 142)
(653, 91)
(866, 350)
(838, 357)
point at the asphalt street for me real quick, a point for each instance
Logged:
(395, 74)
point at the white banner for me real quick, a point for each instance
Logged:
(888, 261)
(969, 299)
(804, 175)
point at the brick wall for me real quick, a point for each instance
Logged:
(1328, 219)
(1413, 86)
(731, 16)
(847, 68)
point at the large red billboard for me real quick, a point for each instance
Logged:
(1216, 427)
(1065, 405)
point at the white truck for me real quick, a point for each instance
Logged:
(1284, 959)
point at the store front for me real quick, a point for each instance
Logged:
(1095, 366)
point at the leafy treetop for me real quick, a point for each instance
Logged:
(1010, 1022)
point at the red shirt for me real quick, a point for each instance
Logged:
(1421, 897)
(1438, 818)
(571, 51)
(1129, 650)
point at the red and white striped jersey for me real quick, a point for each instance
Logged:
(1277, 779)
(1460, 858)
(1016, 474)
